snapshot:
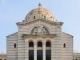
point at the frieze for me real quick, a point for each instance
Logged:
(38, 36)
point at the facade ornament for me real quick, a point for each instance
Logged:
(40, 5)
(39, 30)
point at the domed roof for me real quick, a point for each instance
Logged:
(40, 13)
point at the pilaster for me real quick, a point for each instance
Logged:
(26, 49)
(44, 50)
(35, 50)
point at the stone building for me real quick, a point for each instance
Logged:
(39, 37)
(76, 56)
(3, 56)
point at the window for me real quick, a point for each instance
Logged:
(39, 54)
(14, 45)
(34, 17)
(48, 44)
(39, 44)
(64, 45)
(31, 54)
(48, 54)
(44, 17)
(31, 44)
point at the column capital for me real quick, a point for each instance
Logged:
(35, 43)
(44, 42)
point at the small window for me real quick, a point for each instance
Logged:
(64, 45)
(39, 44)
(48, 44)
(31, 44)
(34, 17)
(15, 45)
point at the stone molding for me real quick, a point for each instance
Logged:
(43, 20)
(38, 36)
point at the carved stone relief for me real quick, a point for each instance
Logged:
(39, 30)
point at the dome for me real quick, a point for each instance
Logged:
(40, 13)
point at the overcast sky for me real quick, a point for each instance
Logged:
(12, 11)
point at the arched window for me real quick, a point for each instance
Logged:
(48, 44)
(31, 44)
(34, 17)
(39, 44)
(14, 45)
(64, 45)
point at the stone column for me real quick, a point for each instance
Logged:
(44, 50)
(53, 49)
(26, 50)
(35, 50)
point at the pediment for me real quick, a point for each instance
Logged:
(43, 20)
(41, 26)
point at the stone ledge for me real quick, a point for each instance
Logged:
(37, 36)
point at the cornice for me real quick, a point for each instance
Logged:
(24, 36)
(43, 20)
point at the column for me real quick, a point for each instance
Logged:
(26, 50)
(35, 50)
(44, 51)
(53, 49)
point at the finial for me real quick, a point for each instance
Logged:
(40, 5)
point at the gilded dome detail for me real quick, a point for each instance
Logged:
(39, 4)
(40, 13)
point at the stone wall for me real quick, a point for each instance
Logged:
(11, 51)
(67, 51)
(76, 56)
(2, 56)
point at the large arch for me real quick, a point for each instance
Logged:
(43, 27)
(39, 30)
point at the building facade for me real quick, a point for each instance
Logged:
(3, 56)
(76, 56)
(39, 37)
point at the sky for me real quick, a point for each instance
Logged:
(67, 11)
